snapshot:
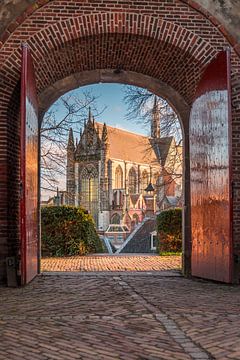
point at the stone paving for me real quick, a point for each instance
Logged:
(107, 315)
(112, 263)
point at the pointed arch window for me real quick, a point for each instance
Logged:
(156, 178)
(132, 181)
(136, 218)
(89, 191)
(118, 178)
(144, 180)
(115, 219)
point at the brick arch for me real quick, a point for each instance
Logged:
(58, 49)
(169, 41)
(140, 54)
(72, 28)
(23, 12)
(58, 39)
(158, 87)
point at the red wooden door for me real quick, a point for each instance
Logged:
(210, 161)
(29, 170)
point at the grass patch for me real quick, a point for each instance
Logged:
(170, 253)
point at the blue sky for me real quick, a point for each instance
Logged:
(110, 97)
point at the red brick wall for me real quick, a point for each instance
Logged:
(168, 40)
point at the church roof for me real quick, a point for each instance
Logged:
(162, 147)
(129, 146)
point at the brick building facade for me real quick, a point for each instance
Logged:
(161, 45)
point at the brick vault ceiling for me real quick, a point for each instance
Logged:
(173, 46)
(226, 11)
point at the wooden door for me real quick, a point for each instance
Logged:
(29, 171)
(210, 164)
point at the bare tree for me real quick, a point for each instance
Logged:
(140, 104)
(54, 132)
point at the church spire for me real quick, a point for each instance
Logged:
(104, 134)
(155, 123)
(90, 117)
(70, 144)
(70, 178)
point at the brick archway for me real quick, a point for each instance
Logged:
(54, 91)
(170, 42)
(73, 81)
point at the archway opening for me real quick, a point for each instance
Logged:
(108, 167)
(161, 50)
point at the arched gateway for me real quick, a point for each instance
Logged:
(174, 48)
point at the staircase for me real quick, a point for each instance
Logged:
(139, 240)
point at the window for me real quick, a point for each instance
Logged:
(115, 219)
(118, 178)
(144, 180)
(114, 229)
(89, 191)
(132, 181)
(153, 239)
(155, 179)
(136, 218)
(117, 199)
(117, 229)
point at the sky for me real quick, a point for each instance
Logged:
(109, 98)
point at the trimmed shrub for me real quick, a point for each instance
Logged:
(68, 230)
(169, 226)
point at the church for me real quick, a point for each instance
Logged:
(121, 177)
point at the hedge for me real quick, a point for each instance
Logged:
(68, 230)
(169, 226)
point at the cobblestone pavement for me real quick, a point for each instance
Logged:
(145, 316)
(112, 263)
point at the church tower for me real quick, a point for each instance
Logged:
(104, 201)
(70, 169)
(155, 123)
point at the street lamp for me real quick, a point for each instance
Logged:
(150, 191)
(149, 188)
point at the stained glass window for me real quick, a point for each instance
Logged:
(132, 181)
(89, 191)
(118, 178)
(144, 180)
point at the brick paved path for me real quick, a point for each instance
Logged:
(110, 316)
(112, 263)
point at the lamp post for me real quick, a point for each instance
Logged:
(150, 190)
(58, 198)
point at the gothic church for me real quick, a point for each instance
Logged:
(116, 175)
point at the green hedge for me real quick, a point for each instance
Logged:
(68, 230)
(169, 226)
